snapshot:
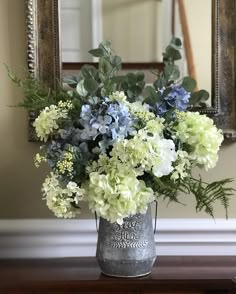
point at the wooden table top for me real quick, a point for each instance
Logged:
(196, 272)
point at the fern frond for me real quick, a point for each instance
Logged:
(36, 95)
(207, 194)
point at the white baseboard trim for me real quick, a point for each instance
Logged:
(37, 238)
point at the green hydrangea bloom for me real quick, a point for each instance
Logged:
(118, 193)
(200, 136)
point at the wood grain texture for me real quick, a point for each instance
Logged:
(82, 275)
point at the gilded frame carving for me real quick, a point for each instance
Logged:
(44, 61)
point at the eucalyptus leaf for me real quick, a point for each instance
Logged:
(176, 43)
(91, 85)
(140, 76)
(166, 92)
(106, 47)
(204, 95)
(152, 97)
(136, 90)
(132, 79)
(141, 84)
(89, 71)
(97, 52)
(105, 66)
(124, 86)
(160, 83)
(81, 89)
(119, 79)
(189, 84)
(171, 72)
(72, 81)
(171, 54)
(198, 97)
(129, 93)
(116, 62)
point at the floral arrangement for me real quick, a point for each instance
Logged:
(119, 144)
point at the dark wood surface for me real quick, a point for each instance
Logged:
(82, 275)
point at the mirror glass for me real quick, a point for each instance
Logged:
(139, 31)
(210, 45)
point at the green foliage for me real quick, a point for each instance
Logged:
(171, 74)
(205, 194)
(152, 96)
(104, 80)
(199, 97)
(36, 96)
(189, 84)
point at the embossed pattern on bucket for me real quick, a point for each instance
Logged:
(126, 250)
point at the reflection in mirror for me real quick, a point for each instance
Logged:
(43, 52)
(139, 31)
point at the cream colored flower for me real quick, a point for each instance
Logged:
(47, 121)
(61, 200)
(201, 137)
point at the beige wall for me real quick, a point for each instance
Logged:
(200, 34)
(20, 181)
(131, 26)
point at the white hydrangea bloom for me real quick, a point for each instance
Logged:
(118, 194)
(138, 106)
(167, 155)
(146, 153)
(47, 121)
(59, 200)
(201, 136)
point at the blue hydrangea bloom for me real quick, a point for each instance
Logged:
(108, 120)
(53, 150)
(178, 99)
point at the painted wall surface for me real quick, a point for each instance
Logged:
(20, 181)
(199, 20)
(131, 26)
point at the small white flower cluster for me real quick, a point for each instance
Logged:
(61, 201)
(47, 121)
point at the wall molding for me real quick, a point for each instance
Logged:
(45, 238)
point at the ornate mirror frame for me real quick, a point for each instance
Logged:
(43, 53)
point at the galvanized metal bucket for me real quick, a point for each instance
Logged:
(126, 250)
